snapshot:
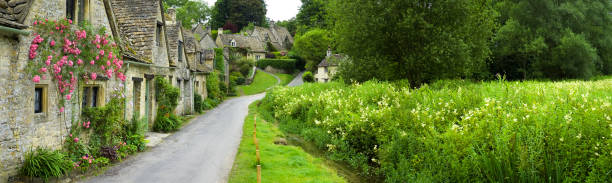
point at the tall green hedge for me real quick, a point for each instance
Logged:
(167, 97)
(219, 64)
(288, 65)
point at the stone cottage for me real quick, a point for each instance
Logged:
(151, 46)
(277, 36)
(255, 49)
(196, 58)
(328, 67)
(29, 116)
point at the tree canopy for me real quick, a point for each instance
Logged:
(189, 12)
(313, 14)
(312, 47)
(239, 13)
(413, 40)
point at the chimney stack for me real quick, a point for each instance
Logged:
(329, 51)
(172, 14)
(220, 31)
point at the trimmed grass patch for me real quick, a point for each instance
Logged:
(262, 82)
(285, 78)
(279, 163)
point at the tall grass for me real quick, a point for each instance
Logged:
(44, 163)
(458, 131)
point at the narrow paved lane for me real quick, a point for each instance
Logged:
(297, 81)
(202, 151)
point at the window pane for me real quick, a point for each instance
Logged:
(38, 100)
(85, 97)
(94, 97)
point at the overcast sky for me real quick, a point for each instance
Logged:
(277, 9)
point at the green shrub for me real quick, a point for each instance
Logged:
(219, 60)
(308, 77)
(167, 97)
(209, 104)
(106, 121)
(213, 84)
(197, 102)
(288, 65)
(236, 78)
(44, 163)
(457, 131)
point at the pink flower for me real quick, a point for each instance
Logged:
(102, 67)
(36, 79)
(93, 76)
(33, 49)
(68, 97)
(70, 135)
(61, 109)
(69, 21)
(109, 73)
(48, 62)
(92, 62)
(52, 43)
(102, 52)
(80, 62)
(85, 157)
(43, 70)
(76, 139)
(98, 46)
(108, 63)
(70, 63)
(89, 161)
(98, 57)
(35, 22)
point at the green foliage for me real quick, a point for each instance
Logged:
(44, 163)
(270, 47)
(288, 65)
(552, 39)
(219, 60)
(313, 14)
(192, 12)
(308, 77)
(238, 12)
(290, 24)
(197, 102)
(212, 86)
(209, 103)
(236, 78)
(166, 97)
(106, 121)
(421, 42)
(242, 65)
(312, 47)
(457, 131)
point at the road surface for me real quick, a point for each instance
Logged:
(202, 151)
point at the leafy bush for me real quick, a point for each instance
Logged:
(167, 97)
(219, 63)
(213, 84)
(106, 121)
(243, 65)
(197, 102)
(308, 77)
(457, 132)
(44, 163)
(284, 64)
(236, 78)
(109, 152)
(209, 104)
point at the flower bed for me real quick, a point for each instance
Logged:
(457, 131)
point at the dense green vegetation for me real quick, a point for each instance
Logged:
(308, 77)
(313, 46)
(236, 14)
(166, 97)
(279, 163)
(44, 163)
(288, 65)
(189, 12)
(261, 82)
(457, 131)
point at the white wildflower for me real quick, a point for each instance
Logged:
(561, 139)
(579, 136)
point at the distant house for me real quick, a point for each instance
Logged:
(328, 67)
(255, 49)
(278, 36)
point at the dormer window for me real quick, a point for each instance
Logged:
(233, 43)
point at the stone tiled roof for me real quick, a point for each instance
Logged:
(249, 42)
(207, 42)
(208, 54)
(13, 13)
(331, 61)
(275, 34)
(136, 22)
(172, 33)
(191, 45)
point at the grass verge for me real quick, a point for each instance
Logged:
(279, 163)
(261, 82)
(285, 78)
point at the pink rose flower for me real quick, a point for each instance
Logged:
(80, 62)
(61, 109)
(76, 139)
(102, 52)
(92, 62)
(43, 70)
(93, 76)
(68, 97)
(36, 79)
(52, 43)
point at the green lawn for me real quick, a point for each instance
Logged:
(279, 163)
(262, 82)
(285, 78)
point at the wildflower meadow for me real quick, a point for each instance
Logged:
(457, 131)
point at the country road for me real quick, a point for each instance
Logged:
(202, 151)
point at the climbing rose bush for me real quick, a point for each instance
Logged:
(69, 54)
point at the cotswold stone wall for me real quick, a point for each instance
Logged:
(21, 129)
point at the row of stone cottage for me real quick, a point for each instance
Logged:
(152, 41)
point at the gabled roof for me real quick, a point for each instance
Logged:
(189, 39)
(172, 32)
(206, 42)
(333, 60)
(248, 42)
(136, 22)
(275, 34)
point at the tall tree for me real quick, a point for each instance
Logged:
(312, 14)
(312, 47)
(416, 40)
(553, 39)
(192, 12)
(239, 12)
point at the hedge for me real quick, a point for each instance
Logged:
(288, 65)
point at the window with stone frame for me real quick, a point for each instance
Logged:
(70, 9)
(158, 34)
(40, 99)
(92, 96)
(180, 51)
(233, 43)
(83, 11)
